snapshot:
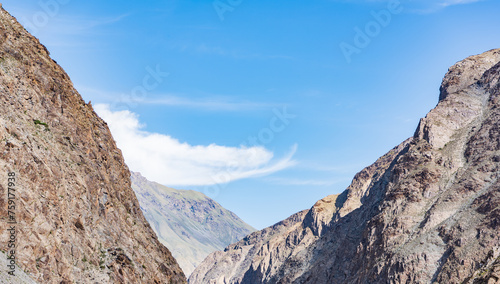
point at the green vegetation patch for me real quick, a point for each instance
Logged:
(38, 122)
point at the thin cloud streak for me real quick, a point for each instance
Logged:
(206, 49)
(216, 50)
(304, 182)
(213, 103)
(420, 6)
(457, 2)
(429, 7)
(81, 26)
(208, 104)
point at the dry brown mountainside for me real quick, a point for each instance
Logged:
(426, 212)
(78, 220)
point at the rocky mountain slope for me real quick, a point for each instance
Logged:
(78, 219)
(426, 212)
(188, 222)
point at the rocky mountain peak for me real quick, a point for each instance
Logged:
(428, 211)
(467, 72)
(462, 99)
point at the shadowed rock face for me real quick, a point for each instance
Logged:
(78, 219)
(426, 212)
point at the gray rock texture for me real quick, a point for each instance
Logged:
(426, 212)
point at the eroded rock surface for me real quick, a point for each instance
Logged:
(78, 219)
(426, 212)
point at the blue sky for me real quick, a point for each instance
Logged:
(259, 93)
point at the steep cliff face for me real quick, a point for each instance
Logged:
(188, 222)
(78, 219)
(429, 213)
(259, 257)
(258, 249)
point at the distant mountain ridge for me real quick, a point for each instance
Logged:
(428, 211)
(189, 223)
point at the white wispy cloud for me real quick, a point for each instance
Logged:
(207, 103)
(447, 3)
(166, 160)
(57, 23)
(304, 182)
(77, 25)
(428, 6)
(419, 6)
(204, 48)
(219, 104)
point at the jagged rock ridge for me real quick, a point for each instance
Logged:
(78, 219)
(426, 212)
(189, 223)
